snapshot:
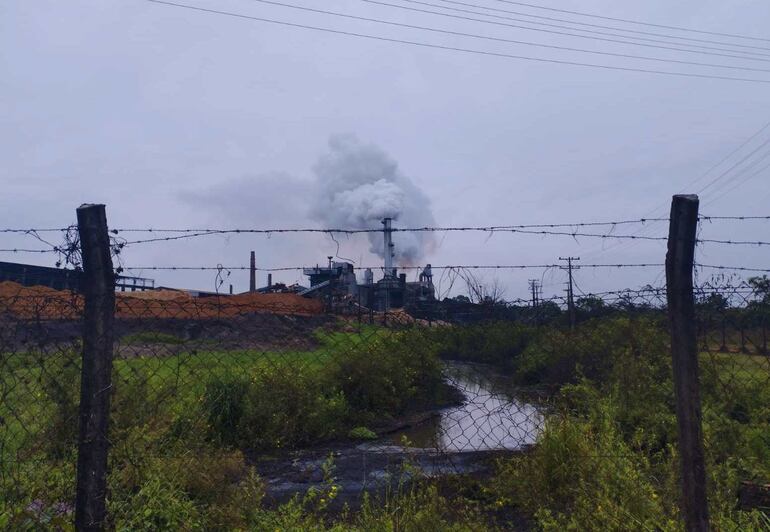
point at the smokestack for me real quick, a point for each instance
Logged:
(388, 247)
(253, 273)
(269, 280)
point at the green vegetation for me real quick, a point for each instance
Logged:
(180, 424)
(183, 425)
(151, 337)
(606, 458)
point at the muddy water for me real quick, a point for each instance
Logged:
(490, 418)
(459, 439)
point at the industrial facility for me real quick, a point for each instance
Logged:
(337, 282)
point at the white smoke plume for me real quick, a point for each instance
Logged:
(359, 184)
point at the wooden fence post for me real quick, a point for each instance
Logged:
(96, 373)
(684, 350)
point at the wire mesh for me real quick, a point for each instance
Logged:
(223, 405)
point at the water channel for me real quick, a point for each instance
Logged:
(491, 419)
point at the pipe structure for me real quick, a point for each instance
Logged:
(388, 247)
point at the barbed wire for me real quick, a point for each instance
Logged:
(441, 267)
(497, 229)
(703, 217)
(23, 250)
(734, 218)
(735, 268)
(446, 267)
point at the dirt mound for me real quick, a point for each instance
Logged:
(158, 295)
(39, 302)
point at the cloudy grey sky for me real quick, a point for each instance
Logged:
(182, 118)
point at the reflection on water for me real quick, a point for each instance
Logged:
(491, 417)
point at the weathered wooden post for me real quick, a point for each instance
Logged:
(684, 350)
(96, 372)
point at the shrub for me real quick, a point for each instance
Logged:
(500, 342)
(275, 407)
(388, 376)
(362, 433)
(582, 476)
(286, 406)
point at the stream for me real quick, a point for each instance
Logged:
(463, 439)
(490, 418)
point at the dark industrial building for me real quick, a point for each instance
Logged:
(62, 279)
(337, 281)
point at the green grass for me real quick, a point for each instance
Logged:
(28, 379)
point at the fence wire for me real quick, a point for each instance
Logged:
(227, 408)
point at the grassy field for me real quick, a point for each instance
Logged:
(183, 422)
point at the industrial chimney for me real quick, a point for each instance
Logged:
(387, 231)
(253, 273)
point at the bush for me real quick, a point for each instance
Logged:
(276, 407)
(499, 343)
(582, 476)
(388, 376)
(286, 406)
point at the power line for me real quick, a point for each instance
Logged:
(739, 183)
(728, 156)
(740, 162)
(746, 55)
(499, 39)
(458, 49)
(630, 21)
(653, 211)
(588, 24)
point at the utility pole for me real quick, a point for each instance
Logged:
(570, 291)
(534, 286)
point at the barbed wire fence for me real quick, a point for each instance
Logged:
(114, 405)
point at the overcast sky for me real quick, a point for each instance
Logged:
(180, 118)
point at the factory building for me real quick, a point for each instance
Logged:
(63, 279)
(337, 281)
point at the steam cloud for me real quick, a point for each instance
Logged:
(359, 184)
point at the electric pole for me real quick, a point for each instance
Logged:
(570, 292)
(534, 286)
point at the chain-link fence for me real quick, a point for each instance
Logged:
(278, 411)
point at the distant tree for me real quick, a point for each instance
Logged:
(714, 302)
(548, 310)
(761, 286)
(590, 306)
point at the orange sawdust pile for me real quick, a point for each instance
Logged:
(47, 303)
(38, 302)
